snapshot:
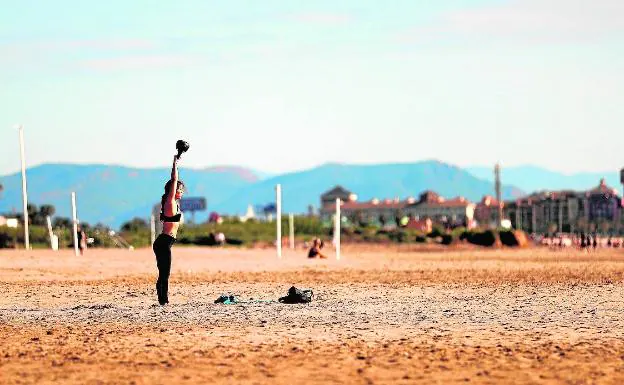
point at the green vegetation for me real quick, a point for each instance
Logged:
(251, 232)
(40, 239)
(137, 233)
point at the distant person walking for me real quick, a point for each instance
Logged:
(81, 236)
(171, 217)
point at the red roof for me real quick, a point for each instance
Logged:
(370, 205)
(352, 205)
(395, 204)
(454, 202)
(488, 201)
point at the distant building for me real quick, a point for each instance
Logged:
(249, 214)
(9, 222)
(373, 211)
(598, 209)
(454, 212)
(486, 212)
(430, 205)
(328, 198)
(422, 225)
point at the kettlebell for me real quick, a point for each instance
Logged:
(182, 147)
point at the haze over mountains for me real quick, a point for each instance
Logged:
(114, 194)
(531, 178)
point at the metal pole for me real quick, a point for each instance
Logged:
(291, 225)
(278, 204)
(152, 228)
(75, 219)
(50, 233)
(337, 229)
(24, 189)
(497, 188)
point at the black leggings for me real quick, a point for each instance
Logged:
(162, 249)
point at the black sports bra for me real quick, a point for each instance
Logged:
(175, 218)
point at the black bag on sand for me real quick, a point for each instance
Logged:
(227, 299)
(297, 296)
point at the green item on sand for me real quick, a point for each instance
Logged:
(227, 299)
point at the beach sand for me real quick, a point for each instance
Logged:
(380, 315)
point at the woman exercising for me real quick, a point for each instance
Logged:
(170, 215)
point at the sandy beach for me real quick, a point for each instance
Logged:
(380, 315)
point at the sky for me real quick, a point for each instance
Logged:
(285, 85)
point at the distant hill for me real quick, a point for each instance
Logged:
(533, 178)
(115, 194)
(300, 189)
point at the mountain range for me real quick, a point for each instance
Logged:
(112, 194)
(532, 178)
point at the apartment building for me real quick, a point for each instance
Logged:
(430, 205)
(598, 209)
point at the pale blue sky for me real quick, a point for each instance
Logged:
(358, 81)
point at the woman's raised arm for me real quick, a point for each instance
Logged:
(174, 169)
(174, 179)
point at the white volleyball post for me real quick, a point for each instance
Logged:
(337, 229)
(278, 209)
(75, 219)
(50, 233)
(291, 233)
(152, 228)
(24, 190)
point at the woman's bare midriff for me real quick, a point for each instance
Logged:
(171, 228)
